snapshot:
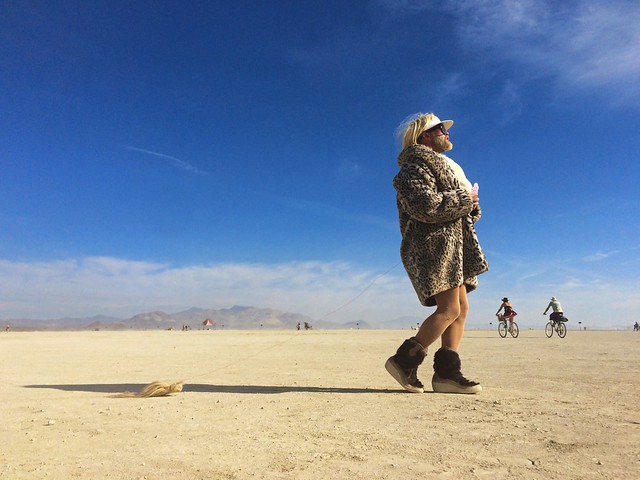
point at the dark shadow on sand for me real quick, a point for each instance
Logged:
(205, 388)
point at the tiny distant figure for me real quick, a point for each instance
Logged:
(307, 326)
(298, 326)
(636, 327)
(557, 314)
(8, 327)
(509, 313)
(437, 209)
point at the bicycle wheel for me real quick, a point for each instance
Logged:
(502, 329)
(515, 331)
(548, 329)
(562, 330)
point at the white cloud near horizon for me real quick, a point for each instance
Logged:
(334, 291)
(173, 160)
(593, 289)
(109, 286)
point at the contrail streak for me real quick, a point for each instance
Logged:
(176, 161)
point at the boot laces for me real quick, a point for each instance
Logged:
(412, 377)
(460, 379)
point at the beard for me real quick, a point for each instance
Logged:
(442, 144)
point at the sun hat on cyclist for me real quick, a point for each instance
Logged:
(553, 299)
(505, 299)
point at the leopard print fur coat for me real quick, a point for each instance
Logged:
(440, 249)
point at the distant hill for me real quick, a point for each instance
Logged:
(236, 317)
(66, 323)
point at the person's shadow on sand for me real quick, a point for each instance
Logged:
(205, 388)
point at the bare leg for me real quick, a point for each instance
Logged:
(446, 323)
(452, 336)
(447, 312)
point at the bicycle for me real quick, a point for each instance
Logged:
(503, 329)
(556, 325)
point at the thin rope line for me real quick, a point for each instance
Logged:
(360, 294)
(294, 335)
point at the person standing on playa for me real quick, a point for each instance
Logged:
(437, 209)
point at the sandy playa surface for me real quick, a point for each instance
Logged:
(315, 405)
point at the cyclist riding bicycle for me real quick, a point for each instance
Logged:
(556, 315)
(509, 313)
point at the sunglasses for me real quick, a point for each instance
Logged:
(439, 127)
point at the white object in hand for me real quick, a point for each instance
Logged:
(475, 188)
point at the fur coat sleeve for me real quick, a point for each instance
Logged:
(440, 248)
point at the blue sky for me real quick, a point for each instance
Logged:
(163, 155)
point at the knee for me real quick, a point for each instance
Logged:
(449, 313)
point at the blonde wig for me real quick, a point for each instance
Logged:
(155, 389)
(413, 126)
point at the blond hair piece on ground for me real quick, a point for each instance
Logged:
(155, 389)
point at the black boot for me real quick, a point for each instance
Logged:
(403, 366)
(447, 377)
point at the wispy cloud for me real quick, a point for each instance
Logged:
(350, 170)
(173, 160)
(574, 45)
(580, 44)
(596, 257)
(452, 85)
(317, 208)
(510, 102)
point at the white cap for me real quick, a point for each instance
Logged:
(436, 121)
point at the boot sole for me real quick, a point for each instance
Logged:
(400, 377)
(449, 386)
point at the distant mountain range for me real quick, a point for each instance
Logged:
(236, 318)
